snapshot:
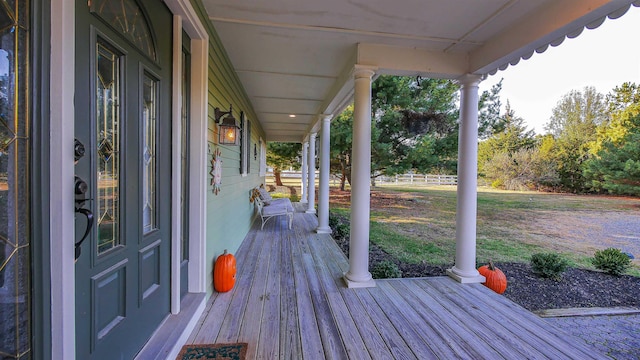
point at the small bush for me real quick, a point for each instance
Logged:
(612, 261)
(342, 231)
(334, 220)
(548, 265)
(385, 270)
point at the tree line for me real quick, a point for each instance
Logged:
(591, 144)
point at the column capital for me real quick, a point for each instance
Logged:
(470, 79)
(364, 71)
(312, 136)
(325, 117)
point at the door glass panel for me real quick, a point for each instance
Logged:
(108, 152)
(126, 17)
(15, 180)
(149, 113)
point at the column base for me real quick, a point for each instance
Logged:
(324, 230)
(311, 211)
(467, 278)
(303, 201)
(359, 284)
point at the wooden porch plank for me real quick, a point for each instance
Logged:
(209, 328)
(456, 334)
(253, 314)
(537, 330)
(268, 341)
(395, 343)
(373, 340)
(486, 322)
(333, 344)
(310, 339)
(230, 328)
(193, 337)
(480, 335)
(343, 315)
(401, 323)
(532, 330)
(331, 341)
(290, 345)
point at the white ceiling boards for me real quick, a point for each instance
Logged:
(296, 56)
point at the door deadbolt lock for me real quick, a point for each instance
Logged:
(80, 187)
(78, 150)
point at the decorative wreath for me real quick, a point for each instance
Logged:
(216, 171)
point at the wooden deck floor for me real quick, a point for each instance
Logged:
(290, 302)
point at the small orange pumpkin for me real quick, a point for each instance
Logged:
(496, 280)
(224, 272)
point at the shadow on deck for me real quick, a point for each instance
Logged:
(290, 302)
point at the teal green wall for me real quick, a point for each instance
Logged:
(229, 213)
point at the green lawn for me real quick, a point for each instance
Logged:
(418, 224)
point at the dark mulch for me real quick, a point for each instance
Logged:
(577, 287)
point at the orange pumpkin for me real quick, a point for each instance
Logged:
(224, 272)
(496, 280)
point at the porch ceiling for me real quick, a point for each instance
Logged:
(296, 57)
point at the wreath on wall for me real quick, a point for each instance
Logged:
(216, 171)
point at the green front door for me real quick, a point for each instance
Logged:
(123, 153)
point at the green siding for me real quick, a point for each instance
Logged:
(229, 213)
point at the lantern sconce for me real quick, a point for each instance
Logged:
(227, 126)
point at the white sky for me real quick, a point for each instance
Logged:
(603, 57)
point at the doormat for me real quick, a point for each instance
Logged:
(213, 351)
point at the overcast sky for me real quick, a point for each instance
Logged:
(603, 57)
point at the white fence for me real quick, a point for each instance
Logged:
(402, 179)
(419, 179)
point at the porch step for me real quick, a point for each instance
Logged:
(587, 311)
(167, 341)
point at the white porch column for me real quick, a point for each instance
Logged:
(358, 274)
(464, 269)
(323, 188)
(303, 179)
(311, 166)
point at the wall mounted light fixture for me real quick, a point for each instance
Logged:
(227, 126)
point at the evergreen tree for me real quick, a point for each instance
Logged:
(281, 156)
(573, 124)
(489, 120)
(341, 143)
(514, 136)
(616, 167)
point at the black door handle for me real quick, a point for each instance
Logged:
(80, 188)
(89, 215)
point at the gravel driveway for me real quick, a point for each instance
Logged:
(588, 231)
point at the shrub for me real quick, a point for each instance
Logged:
(385, 270)
(548, 265)
(334, 220)
(612, 261)
(342, 231)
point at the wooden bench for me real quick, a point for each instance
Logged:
(268, 207)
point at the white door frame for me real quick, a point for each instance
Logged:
(186, 19)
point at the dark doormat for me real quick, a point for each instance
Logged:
(213, 351)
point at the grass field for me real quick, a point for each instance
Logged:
(418, 224)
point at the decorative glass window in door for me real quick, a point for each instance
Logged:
(149, 115)
(108, 141)
(15, 180)
(126, 17)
